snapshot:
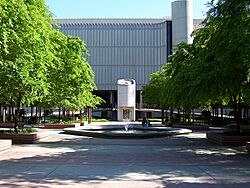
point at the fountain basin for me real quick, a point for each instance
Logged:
(118, 131)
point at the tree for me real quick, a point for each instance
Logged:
(25, 51)
(153, 92)
(226, 52)
(215, 68)
(38, 64)
(71, 78)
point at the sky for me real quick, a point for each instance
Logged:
(119, 8)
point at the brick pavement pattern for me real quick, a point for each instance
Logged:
(64, 161)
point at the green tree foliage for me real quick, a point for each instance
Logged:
(38, 64)
(215, 68)
(226, 53)
(70, 76)
(153, 93)
(24, 50)
(179, 87)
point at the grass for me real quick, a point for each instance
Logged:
(155, 119)
(21, 131)
(71, 121)
(100, 120)
(151, 119)
(79, 121)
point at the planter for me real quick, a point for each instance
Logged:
(7, 125)
(23, 138)
(222, 139)
(192, 127)
(242, 127)
(61, 126)
(11, 125)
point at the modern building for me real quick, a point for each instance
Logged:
(130, 48)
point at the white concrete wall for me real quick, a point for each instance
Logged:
(182, 21)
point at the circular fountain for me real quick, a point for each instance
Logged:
(125, 131)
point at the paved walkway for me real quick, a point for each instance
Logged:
(73, 161)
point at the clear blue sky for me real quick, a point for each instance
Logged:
(118, 8)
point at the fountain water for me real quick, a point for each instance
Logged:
(126, 126)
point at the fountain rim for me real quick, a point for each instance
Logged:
(105, 131)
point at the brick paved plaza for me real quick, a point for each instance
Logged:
(61, 160)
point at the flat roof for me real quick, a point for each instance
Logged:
(112, 21)
(93, 21)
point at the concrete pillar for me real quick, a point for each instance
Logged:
(141, 100)
(112, 99)
(182, 21)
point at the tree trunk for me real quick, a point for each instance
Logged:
(193, 116)
(189, 116)
(0, 112)
(221, 114)
(44, 115)
(17, 118)
(179, 116)
(162, 116)
(4, 113)
(183, 115)
(167, 115)
(36, 111)
(89, 115)
(171, 114)
(212, 113)
(73, 115)
(64, 115)
(239, 113)
(11, 113)
(40, 114)
(216, 111)
(59, 115)
(68, 114)
(31, 110)
(80, 115)
(236, 115)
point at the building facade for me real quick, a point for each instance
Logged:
(122, 48)
(130, 48)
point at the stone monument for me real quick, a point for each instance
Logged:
(126, 100)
